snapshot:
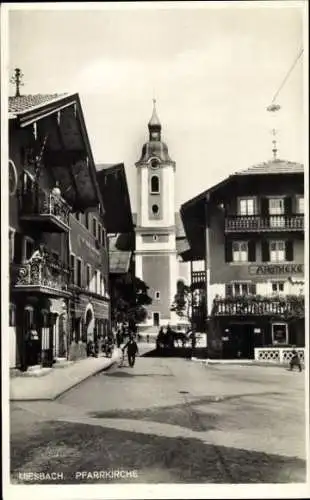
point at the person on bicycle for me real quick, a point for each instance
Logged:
(132, 350)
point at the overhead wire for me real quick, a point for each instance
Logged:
(286, 77)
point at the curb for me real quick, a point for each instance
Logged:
(75, 384)
(211, 362)
(86, 378)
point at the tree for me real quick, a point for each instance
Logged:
(182, 300)
(129, 296)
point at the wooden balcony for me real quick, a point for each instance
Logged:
(289, 306)
(258, 223)
(48, 211)
(42, 275)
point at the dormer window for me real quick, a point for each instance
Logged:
(154, 184)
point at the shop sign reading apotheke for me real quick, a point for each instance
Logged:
(277, 269)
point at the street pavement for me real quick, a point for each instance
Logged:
(167, 421)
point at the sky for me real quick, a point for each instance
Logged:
(212, 68)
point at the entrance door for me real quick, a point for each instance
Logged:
(241, 341)
(156, 319)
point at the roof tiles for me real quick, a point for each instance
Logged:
(273, 167)
(25, 103)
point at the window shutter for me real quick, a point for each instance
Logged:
(252, 251)
(289, 251)
(228, 290)
(288, 206)
(228, 251)
(252, 289)
(265, 251)
(264, 207)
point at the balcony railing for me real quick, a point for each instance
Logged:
(289, 306)
(51, 209)
(251, 223)
(46, 275)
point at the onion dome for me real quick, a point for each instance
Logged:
(155, 146)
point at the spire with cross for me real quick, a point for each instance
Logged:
(154, 124)
(17, 80)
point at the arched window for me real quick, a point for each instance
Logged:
(154, 184)
(12, 315)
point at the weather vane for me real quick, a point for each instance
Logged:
(273, 108)
(17, 80)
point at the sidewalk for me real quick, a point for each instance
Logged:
(58, 380)
(52, 382)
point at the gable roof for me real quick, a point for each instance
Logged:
(112, 181)
(70, 155)
(193, 210)
(276, 166)
(25, 103)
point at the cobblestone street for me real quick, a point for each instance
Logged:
(170, 421)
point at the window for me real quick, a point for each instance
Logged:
(246, 206)
(300, 205)
(277, 287)
(96, 282)
(154, 184)
(88, 276)
(279, 333)
(155, 209)
(72, 269)
(155, 237)
(276, 209)
(102, 286)
(28, 317)
(87, 224)
(103, 237)
(240, 251)
(99, 233)
(276, 206)
(11, 244)
(277, 251)
(28, 248)
(157, 295)
(79, 272)
(239, 289)
(95, 227)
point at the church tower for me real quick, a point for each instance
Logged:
(156, 255)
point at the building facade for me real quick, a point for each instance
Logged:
(253, 248)
(119, 224)
(89, 285)
(156, 256)
(51, 176)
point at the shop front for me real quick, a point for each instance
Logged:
(244, 328)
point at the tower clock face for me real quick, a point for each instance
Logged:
(12, 178)
(154, 163)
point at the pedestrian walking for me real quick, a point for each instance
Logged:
(193, 342)
(132, 350)
(295, 361)
(119, 338)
